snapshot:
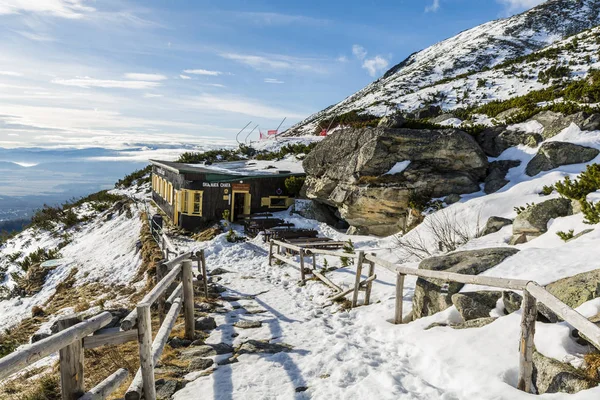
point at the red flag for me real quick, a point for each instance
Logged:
(272, 132)
(323, 132)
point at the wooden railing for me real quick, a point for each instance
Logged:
(76, 335)
(70, 342)
(532, 293)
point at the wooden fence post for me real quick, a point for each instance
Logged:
(145, 346)
(204, 273)
(71, 364)
(161, 271)
(270, 253)
(370, 283)
(399, 298)
(188, 299)
(359, 265)
(526, 345)
(301, 253)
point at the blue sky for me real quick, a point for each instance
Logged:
(116, 73)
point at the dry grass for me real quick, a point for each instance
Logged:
(592, 366)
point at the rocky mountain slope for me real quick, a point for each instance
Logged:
(418, 79)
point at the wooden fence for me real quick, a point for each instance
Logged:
(532, 293)
(75, 335)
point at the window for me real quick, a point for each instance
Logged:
(191, 202)
(278, 202)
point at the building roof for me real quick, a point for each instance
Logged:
(234, 170)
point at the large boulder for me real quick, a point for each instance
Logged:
(553, 376)
(435, 295)
(426, 112)
(554, 154)
(573, 291)
(497, 171)
(591, 123)
(555, 122)
(474, 305)
(533, 221)
(496, 139)
(351, 171)
(494, 224)
(392, 121)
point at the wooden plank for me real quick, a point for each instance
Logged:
(348, 291)
(161, 272)
(177, 260)
(161, 286)
(112, 336)
(302, 277)
(168, 244)
(71, 364)
(32, 353)
(188, 299)
(513, 284)
(326, 280)
(270, 253)
(204, 272)
(331, 253)
(145, 350)
(286, 245)
(578, 321)
(370, 283)
(129, 321)
(176, 293)
(107, 386)
(399, 298)
(526, 345)
(287, 260)
(359, 265)
(134, 392)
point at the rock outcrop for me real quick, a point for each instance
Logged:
(555, 122)
(496, 178)
(475, 305)
(553, 376)
(573, 291)
(349, 170)
(434, 295)
(496, 139)
(554, 154)
(494, 224)
(533, 221)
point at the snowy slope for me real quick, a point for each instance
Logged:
(358, 354)
(102, 249)
(473, 50)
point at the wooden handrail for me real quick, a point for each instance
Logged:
(107, 386)
(23, 358)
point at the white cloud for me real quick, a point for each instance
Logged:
(185, 77)
(433, 7)
(273, 19)
(37, 37)
(359, 51)
(375, 65)
(72, 9)
(274, 62)
(202, 72)
(87, 82)
(238, 105)
(215, 85)
(513, 6)
(145, 77)
(152, 95)
(12, 134)
(342, 59)
(273, 80)
(10, 73)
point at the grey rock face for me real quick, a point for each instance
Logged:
(512, 301)
(591, 123)
(348, 171)
(433, 295)
(552, 376)
(534, 220)
(205, 324)
(166, 388)
(496, 178)
(426, 112)
(474, 305)
(441, 118)
(496, 139)
(554, 154)
(248, 324)
(494, 224)
(199, 364)
(258, 347)
(392, 121)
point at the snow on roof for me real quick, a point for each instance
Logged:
(256, 167)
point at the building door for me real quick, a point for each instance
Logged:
(240, 205)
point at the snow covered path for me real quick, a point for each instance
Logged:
(350, 355)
